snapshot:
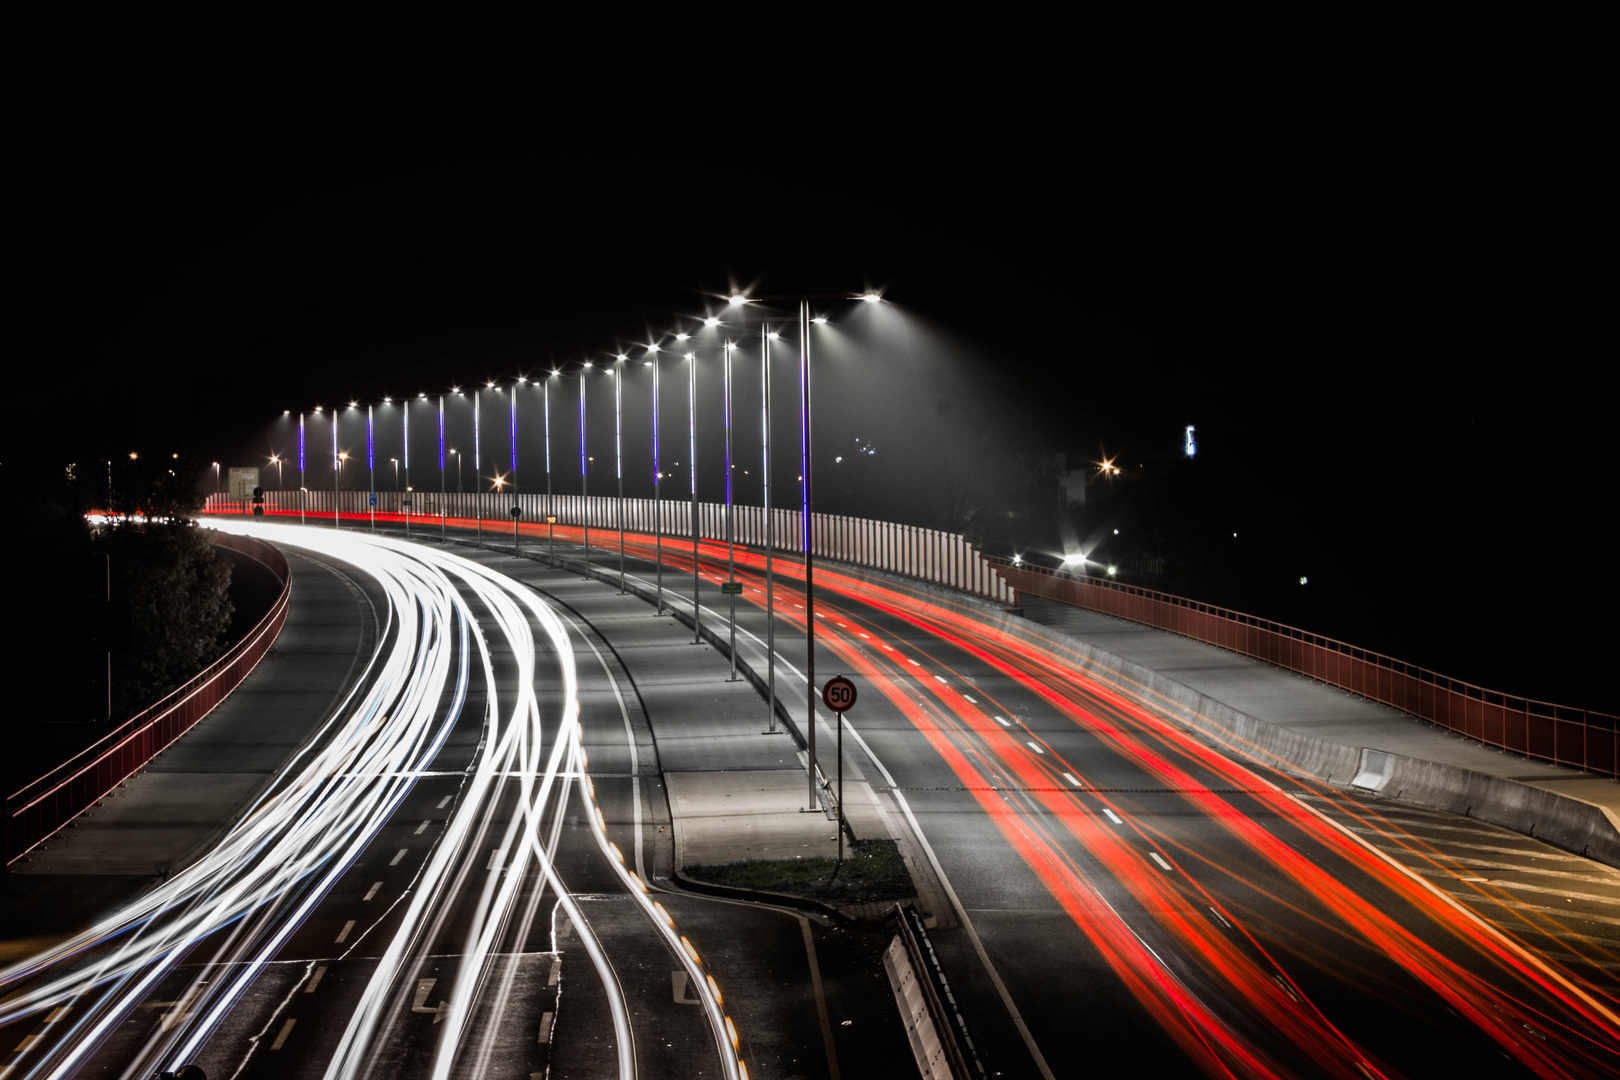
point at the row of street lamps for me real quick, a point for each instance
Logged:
(653, 351)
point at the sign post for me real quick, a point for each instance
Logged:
(551, 535)
(838, 693)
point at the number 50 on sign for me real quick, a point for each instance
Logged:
(839, 694)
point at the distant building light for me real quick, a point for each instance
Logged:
(1192, 447)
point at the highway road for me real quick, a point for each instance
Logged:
(1111, 893)
(1139, 899)
(395, 904)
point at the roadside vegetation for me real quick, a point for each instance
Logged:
(872, 870)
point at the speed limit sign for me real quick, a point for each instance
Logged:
(839, 694)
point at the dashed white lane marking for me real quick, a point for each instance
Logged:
(494, 855)
(422, 828)
(886, 647)
(912, 662)
(545, 1028)
(1217, 914)
(398, 856)
(1160, 860)
(344, 933)
(286, 1029)
(1071, 779)
(28, 1040)
(57, 1013)
(970, 698)
(315, 980)
(1035, 746)
(1115, 818)
(819, 615)
(444, 802)
(941, 678)
(1002, 720)
(868, 637)
(373, 890)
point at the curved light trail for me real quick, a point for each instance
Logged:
(247, 896)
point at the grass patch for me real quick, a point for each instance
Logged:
(872, 870)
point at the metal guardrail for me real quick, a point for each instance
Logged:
(931, 555)
(41, 808)
(1579, 738)
(938, 1032)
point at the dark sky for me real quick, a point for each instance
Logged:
(1381, 313)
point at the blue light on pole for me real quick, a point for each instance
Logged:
(1192, 447)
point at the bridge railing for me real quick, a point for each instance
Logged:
(930, 555)
(39, 809)
(1537, 729)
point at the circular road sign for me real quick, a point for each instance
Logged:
(839, 694)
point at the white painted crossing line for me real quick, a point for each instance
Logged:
(398, 856)
(373, 890)
(1160, 860)
(344, 933)
(1115, 818)
(1035, 746)
(422, 828)
(286, 1029)
(1071, 779)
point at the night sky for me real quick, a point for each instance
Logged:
(1385, 324)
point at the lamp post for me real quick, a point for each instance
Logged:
(551, 509)
(478, 467)
(405, 412)
(691, 449)
(618, 453)
(337, 473)
(441, 469)
(807, 518)
(731, 520)
(584, 472)
(516, 507)
(371, 464)
(303, 487)
(658, 502)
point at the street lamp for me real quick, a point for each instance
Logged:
(371, 464)
(658, 502)
(691, 449)
(337, 473)
(807, 493)
(618, 453)
(584, 477)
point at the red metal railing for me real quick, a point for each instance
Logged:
(42, 807)
(1537, 729)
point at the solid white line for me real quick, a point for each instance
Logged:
(344, 932)
(1115, 818)
(1160, 860)
(1070, 778)
(395, 860)
(373, 890)
(286, 1029)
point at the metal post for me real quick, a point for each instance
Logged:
(303, 488)
(618, 455)
(691, 450)
(584, 475)
(731, 523)
(406, 412)
(840, 717)
(807, 534)
(337, 473)
(371, 464)
(551, 508)
(770, 528)
(516, 549)
(441, 469)
(478, 467)
(658, 500)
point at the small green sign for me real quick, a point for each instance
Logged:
(731, 588)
